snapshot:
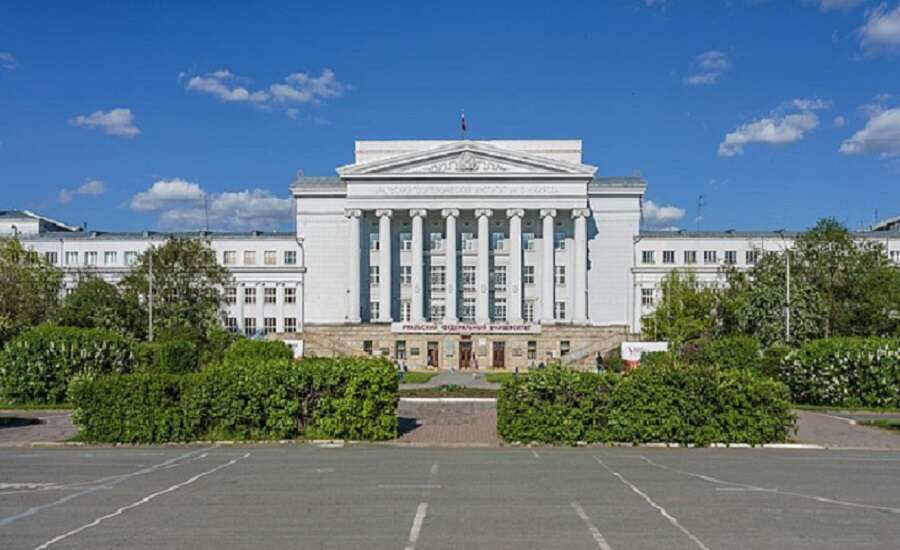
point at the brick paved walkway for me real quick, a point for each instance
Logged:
(434, 423)
(53, 426)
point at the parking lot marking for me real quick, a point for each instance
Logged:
(434, 468)
(773, 490)
(535, 453)
(96, 485)
(598, 536)
(409, 486)
(672, 519)
(140, 502)
(417, 526)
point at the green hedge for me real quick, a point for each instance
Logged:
(253, 351)
(855, 372)
(344, 398)
(37, 365)
(729, 352)
(172, 357)
(657, 403)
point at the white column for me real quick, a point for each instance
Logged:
(279, 307)
(548, 250)
(581, 215)
(418, 265)
(514, 282)
(301, 312)
(260, 306)
(482, 274)
(240, 298)
(450, 315)
(384, 265)
(354, 276)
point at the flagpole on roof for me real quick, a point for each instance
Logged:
(462, 125)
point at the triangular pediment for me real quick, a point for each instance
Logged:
(466, 158)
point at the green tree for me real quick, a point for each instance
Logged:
(685, 312)
(95, 303)
(188, 287)
(29, 288)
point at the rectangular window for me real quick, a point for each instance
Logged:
(90, 258)
(290, 295)
(528, 313)
(405, 311)
(110, 258)
(559, 241)
(290, 324)
(752, 256)
(500, 309)
(400, 349)
(374, 310)
(367, 347)
(646, 296)
(374, 276)
(647, 257)
(230, 295)
(730, 257)
(560, 274)
(468, 242)
(499, 278)
(468, 309)
(690, 257)
(529, 239)
(532, 350)
(269, 325)
(50, 257)
(468, 277)
(405, 275)
(249, 257)
(270, 295)
(249, 326)
(290, 257)
(270, 257)
(528, 274)
(436, 240)
(71, 258)
(131, 257)
(498, 241)
(231, 324)
(229, 257)
(438, 278)
(250, 295)
(668, 256)
(405, 241)
(564, 347)
(374, 243)
(559, 311)
(438, 311)
(709, 257)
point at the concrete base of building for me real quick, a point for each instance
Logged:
(571, 344)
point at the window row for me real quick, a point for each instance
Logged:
(710, 257)
(437, 277)
(499, 310)
(270, 325)
(269, 257)
(269, 295)
(92, 258)
(469, 242)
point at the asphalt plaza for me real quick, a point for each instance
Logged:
(374, 496)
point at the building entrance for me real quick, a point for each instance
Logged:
(465, 355)
(431, 359)
(499, 355)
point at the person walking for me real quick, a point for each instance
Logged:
(600, 366)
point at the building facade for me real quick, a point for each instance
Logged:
(447, 254)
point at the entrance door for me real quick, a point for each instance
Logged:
(465, 355)
(499, 355)
(431, 359)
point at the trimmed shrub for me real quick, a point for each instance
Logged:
(657, 403)
(772, 359)
(218, 340)
(172, 357)
(861, 372)
(37, 365)
(343, 398)
(730, 352)
(657, 359)
(244, 352)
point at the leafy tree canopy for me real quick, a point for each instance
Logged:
(29, 288)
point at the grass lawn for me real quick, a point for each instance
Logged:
(449, 391)
(417, 377)
(500, 377)
(830, 408)
(33, 406)
(884, 423)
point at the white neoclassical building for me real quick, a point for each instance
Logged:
(446, 253)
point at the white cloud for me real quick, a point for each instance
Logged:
(90, 188)
(709, 66)
(117, 122)
(181, 205)
(830, 5)
(881, 31)
(839, 122)
(788, 123)
(297, 88)
(8, 61)
(880, 135)
(656, 215)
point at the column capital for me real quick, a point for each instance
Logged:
(418, 213)
(515, 213)
(384, 213)
(484, 212)
(548, 212)
(352, 212)
(581, 213)
(450, 213)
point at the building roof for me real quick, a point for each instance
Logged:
(617, 181)
(145, 235)
(712, 234)
(890, 224)
(28, 214)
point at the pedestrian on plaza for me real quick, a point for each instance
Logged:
(600, 366)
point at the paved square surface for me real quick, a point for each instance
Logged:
(372, 496)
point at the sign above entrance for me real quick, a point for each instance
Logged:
(465, 328)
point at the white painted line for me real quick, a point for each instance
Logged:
(535, 453)
(672, 519)
(140, 502)
(409, 486)
(417, 526)
(825, 500)
(598, 536)
(850, 421)
(800, 446)
(448, 399)
(434, 468)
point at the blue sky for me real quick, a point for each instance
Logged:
(122, 114)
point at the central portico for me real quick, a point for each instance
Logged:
(454, 238)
